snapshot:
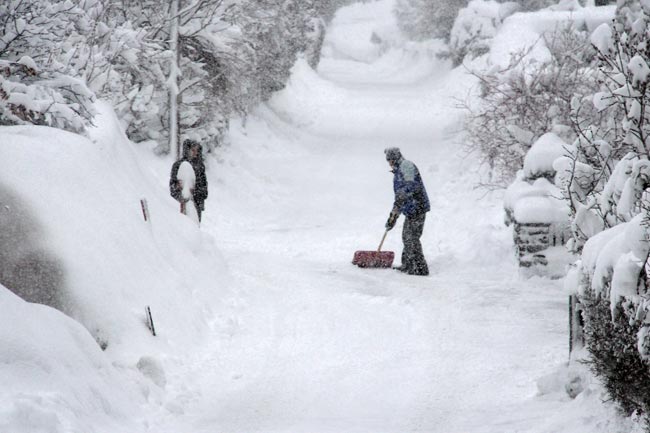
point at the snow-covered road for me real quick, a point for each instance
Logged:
(312, 344)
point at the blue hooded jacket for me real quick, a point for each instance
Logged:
(410, 194)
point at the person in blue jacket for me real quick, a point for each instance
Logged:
(411, 199)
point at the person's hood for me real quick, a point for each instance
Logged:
(187, 144)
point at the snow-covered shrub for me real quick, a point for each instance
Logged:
(603, 174)
(527, 99)
(475, 27)
(610, 124)
(128, 70)
(615, 358)
(41, 43)
(605, 178)
(426, 19)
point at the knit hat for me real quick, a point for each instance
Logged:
(393, 154)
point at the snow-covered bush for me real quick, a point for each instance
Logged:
(603, 175)
(615, 358)
(41, 43)
(605, 178)
(526, 99)
(475, 27)
(426, 19)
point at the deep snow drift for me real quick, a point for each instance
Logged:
(264, 325)
(82, 201)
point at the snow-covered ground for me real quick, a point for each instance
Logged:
(264, 325)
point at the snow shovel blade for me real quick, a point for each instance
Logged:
(373, 259)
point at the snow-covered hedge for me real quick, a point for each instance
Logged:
(526, 99)
(615, 356)
(605, 178)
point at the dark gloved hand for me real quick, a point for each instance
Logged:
(392, 220)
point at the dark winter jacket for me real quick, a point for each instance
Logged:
(410, 195)
(200, 187)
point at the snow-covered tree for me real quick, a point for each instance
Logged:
(226, 57)
(606, 177)
(42, 44)
(277, 31)
(613, 133)
(229, 56)
(527, 99)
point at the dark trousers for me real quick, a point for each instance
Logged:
(413, 260)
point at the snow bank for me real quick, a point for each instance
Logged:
(85, 198)
(299, 101)
(55, 378)
(525, 30)
(82, 197)
(477, 24)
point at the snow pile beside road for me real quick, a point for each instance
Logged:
(525, 30)
(55, 378)
(86, 198)
(82, 197)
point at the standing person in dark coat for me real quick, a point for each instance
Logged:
(411, 199)
(192, 153)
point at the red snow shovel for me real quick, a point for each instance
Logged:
(374, 259)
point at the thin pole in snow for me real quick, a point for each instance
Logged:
(147, 311)
(570, 325)
(145, 208)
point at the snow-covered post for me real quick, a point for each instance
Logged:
(173, 83)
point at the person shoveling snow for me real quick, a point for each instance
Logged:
(411, 199)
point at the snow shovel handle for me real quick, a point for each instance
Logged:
(382, 241)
